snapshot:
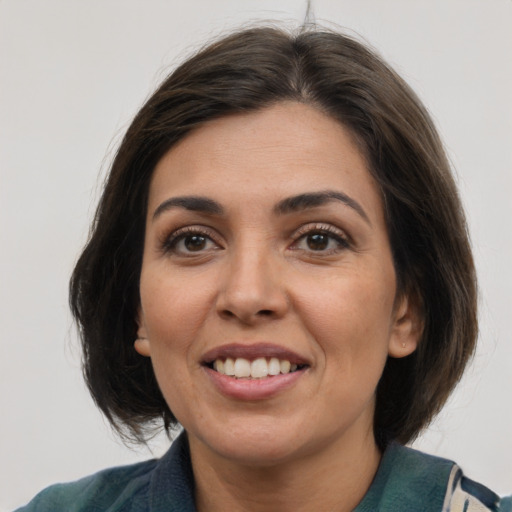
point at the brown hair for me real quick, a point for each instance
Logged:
(244, 72)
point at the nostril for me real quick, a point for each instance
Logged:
(263, 313)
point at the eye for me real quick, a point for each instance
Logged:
(325, 239)
(318, 241)
(193, 243)
(189, 241)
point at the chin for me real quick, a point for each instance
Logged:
(261, 445)
(259, 454)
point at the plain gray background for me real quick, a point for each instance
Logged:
(73, 73)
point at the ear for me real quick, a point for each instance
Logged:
(141, 344)
(407, 327)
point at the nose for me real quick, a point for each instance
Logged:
(252, 289)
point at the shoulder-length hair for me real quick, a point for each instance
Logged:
(244, 72)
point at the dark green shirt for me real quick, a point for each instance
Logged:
(407, 480)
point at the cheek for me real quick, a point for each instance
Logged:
(174, 308)
(174, 312)
(351, 319)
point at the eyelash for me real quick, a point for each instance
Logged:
(339, 237)
(169, 243)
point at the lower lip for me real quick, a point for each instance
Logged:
(253, 389)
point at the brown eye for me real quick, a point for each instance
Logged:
(190, 241)
(318, 241)
(194, 242)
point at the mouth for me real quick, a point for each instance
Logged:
(257, 361)
(260, 368)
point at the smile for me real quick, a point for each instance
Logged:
(259, 368)
(256, 371)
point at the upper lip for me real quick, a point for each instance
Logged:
(253, 351)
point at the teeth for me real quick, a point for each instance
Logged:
(219, 366)
(274, 367)
(285, 366)
(229, 366)
(242, 368)
(257, 369)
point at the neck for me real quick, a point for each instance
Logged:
(334, 479)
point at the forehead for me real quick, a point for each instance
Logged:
(283, 150)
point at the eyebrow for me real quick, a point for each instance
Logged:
(314, 199)
(289, 205)
(192, 203)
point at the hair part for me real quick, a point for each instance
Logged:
(245, 72)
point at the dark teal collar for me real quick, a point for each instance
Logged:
(406, 480)
(172, 483)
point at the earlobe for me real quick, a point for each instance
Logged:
(141, 344)
(407, 328)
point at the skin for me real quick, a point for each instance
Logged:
(256, 275)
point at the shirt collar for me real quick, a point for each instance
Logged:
(406, 480)
(172, 483)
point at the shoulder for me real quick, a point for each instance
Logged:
(506, 504)
(163, 484)
(111, 489)
(467, 495)
(460, 492)
(408, 479)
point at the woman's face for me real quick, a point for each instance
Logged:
(266, 254)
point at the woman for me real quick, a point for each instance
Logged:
(280, 263)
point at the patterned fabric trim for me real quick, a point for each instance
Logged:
(465, 495)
